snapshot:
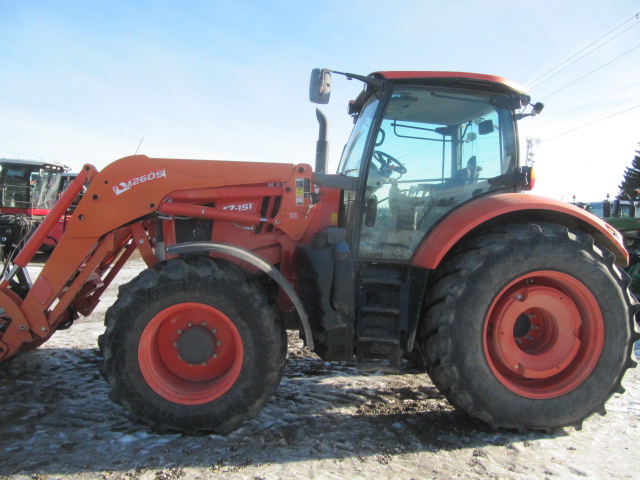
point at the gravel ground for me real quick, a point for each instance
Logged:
(327, 420)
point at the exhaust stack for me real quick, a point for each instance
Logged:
(322, 145)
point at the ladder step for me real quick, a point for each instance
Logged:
(381, 277)
(380, 310)
(381, 281)
(378, 355)
(379, 340)
(382, 328)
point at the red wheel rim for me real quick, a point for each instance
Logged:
(190, 353)
(543, 334)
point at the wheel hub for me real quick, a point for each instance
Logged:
(543, 334)
(190, 353)
(522, 326)
(196, 345)
(539, 356)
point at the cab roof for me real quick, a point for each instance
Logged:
(464, 78)
(34, 163)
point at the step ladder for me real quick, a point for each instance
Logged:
(382, 317)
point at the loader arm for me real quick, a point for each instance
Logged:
(119, 213)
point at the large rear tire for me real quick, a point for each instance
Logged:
(192, 346)
(529, 327)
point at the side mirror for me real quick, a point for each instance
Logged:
(320, 85)
(537, 108)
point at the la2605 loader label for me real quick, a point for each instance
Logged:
(147, 177)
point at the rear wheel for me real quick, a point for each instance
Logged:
(192, 346)
(529, 326)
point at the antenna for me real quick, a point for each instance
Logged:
(139, 146)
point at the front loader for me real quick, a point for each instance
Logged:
(423, 244)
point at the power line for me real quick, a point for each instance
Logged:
(585, 106)
(587, 124)
(592, 71)
(585, 55)
(539, 80)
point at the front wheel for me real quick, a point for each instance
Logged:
(192, 346)
(529, 326)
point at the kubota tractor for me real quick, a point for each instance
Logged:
(422, 244)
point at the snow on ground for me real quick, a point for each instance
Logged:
(326, 421)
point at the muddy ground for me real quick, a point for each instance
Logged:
(325, 421)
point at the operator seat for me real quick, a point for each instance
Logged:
(474, 169)
(458, 179)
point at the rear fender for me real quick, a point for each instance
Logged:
(508, 208)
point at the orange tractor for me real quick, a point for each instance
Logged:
(423, 244)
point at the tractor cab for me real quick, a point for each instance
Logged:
(424, 143)
(29, 186)
(28, 190)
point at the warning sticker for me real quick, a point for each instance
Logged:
(303, 190)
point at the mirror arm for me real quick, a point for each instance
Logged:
(374, 82)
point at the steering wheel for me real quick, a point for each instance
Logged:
(387, 162)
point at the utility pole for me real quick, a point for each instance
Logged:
(532, 143)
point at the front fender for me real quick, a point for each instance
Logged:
(510, 207)
(256, 261)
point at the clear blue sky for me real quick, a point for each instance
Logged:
(84, 81)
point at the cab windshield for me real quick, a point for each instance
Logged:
(435, 149)
(354, 149)
(26, 188)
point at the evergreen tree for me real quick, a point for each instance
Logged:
(631, 180)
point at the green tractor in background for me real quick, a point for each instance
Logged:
(624, 216)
